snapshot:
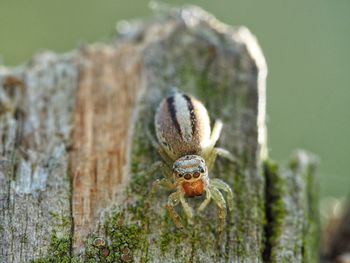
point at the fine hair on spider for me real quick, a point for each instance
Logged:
(186, 145)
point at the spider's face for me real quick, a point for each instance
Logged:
(190, 168)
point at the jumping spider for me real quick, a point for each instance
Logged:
(186, 145)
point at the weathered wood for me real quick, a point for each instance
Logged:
(92, 109)
(222, 67)
(292, 211)
(37, 101)
(108, 81)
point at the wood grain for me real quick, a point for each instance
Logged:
(104, 104)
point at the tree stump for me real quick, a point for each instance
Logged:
(74, 146)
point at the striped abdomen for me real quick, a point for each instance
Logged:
(182, 125)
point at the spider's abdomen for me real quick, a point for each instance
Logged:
(182, 125)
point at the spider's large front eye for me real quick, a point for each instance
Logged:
(188, 176)
(196, 174)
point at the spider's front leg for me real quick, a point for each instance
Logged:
(187, 208)
(206, 201)
(221, 203)
(173, 201)
(219, 184)
(166, 182)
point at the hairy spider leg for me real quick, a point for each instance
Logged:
(215, 133)
(206, 201)
(214, 137)
(219, 184)
(187, 208)
(214, 153)
(166, 182)
(173, 200)
(210, 153)
(221, 203)
(225, 153)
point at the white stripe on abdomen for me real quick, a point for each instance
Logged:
(183, 117)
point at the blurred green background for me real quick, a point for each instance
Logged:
(306, 45)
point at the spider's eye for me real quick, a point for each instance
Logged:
(188, 176)
(196, 174)
(202, 170)
(176, 173)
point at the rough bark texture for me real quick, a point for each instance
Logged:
(36, 106)
(292, 228)
(86, 115)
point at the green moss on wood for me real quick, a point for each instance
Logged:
(306, 165)
(122, 240)
(292, 210)
(169, 237)
(58, 251)
(126, 232)
(275, 209)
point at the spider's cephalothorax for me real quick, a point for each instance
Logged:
(193, 172)
(186, 145)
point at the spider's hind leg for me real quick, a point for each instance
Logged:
(212, 154)
(225, 153)
(216, 132)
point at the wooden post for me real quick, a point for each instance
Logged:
(74, 144)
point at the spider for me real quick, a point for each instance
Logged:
(186, 145)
